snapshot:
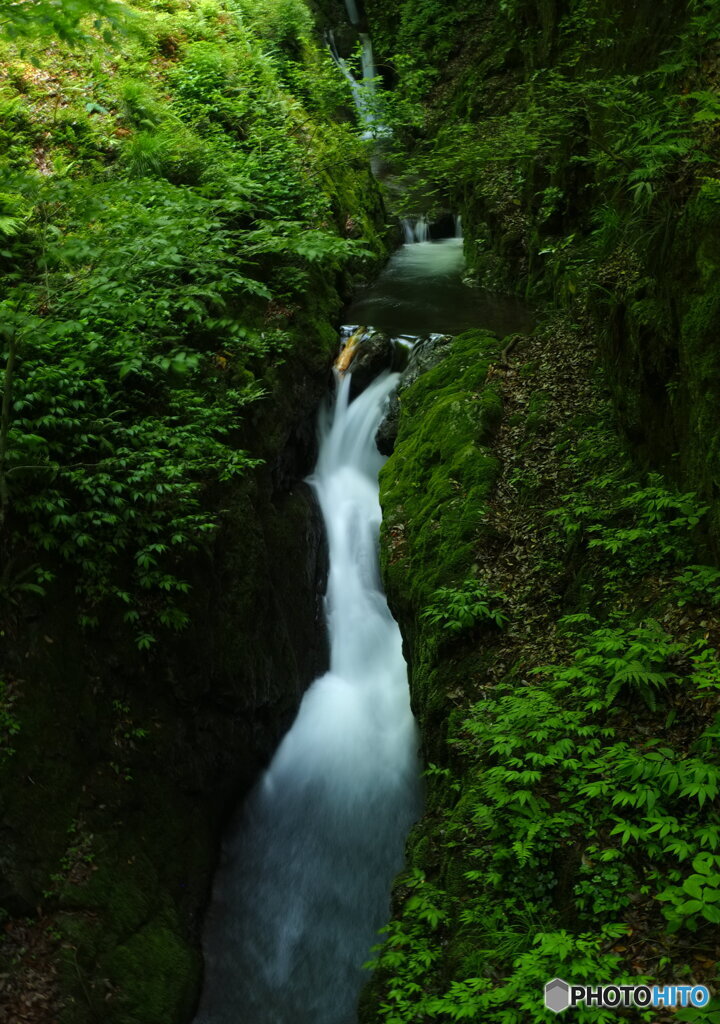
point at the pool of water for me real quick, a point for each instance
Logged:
(421, 291)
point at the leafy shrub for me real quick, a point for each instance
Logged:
(282, 22)
(456, 609)
(152, 270)
(171, 151)
(140, 104)
(697, 897)
(613, 660)
(698, 584)
(9, 724)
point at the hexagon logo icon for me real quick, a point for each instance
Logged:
(557, 995)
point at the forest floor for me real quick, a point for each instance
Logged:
(553, 383)
(29, 990)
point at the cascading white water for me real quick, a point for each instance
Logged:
(422, 230)
(416, 229)
(352, 11)
(305, 877)
(364, 88)
(369, 73)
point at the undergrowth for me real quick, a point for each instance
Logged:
(573, 821)
(175, 180)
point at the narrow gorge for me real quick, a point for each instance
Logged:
(359, 576)
(304, 885)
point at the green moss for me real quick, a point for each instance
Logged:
(166, 992)
(125, 891)
(696, 387)
(433, 491)
(434, 487)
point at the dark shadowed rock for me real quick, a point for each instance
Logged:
(443, 226)
(426, 354)
(374, 354)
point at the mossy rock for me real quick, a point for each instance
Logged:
(165, 993)
(434, 487)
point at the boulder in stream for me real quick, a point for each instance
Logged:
(426, 354)
(366, 354)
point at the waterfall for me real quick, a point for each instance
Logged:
(306, 873)
(415, 229)
(363, 89)
(368, 62)
(352, 11)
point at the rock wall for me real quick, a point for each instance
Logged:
(136, 712)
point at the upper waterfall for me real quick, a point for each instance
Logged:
(363, 88)
(353, 13)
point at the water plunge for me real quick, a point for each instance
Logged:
(305, 875)
(415, 229)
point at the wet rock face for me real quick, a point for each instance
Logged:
(374, 354)
(387, 431)
(426, 354)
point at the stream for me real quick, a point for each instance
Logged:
(421, 291)
(305, 877)
(306, 870)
